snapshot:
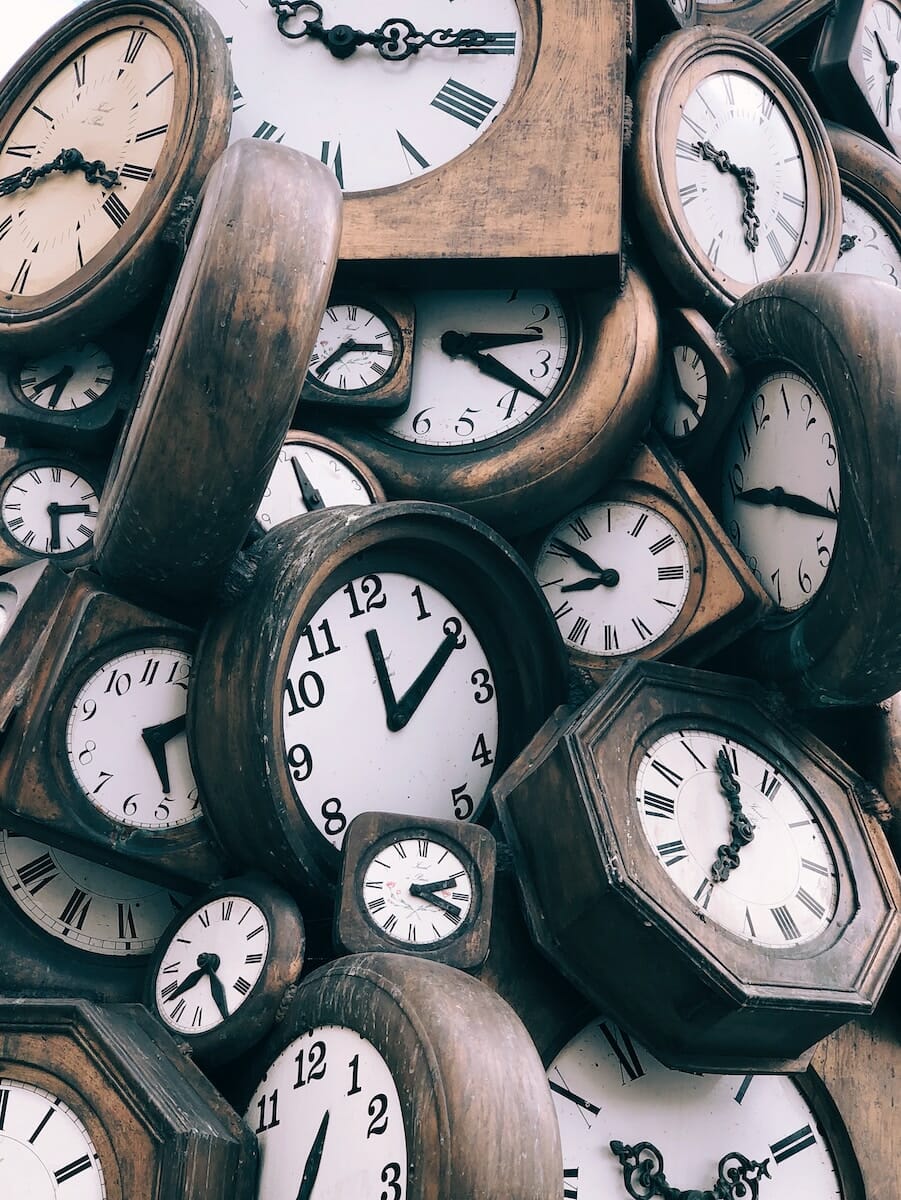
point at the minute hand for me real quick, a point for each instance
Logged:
(399, 712)
(780, 498)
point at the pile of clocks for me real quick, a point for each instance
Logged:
(446, 458)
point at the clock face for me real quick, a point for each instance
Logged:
(307, 477)
(329, 1121)
(374, 122)
(731, 122)
(783, 890)
(81, 903)
(782, 487)
(355, 349)
(213, 961)
(683, 392)
(616, 576)
(49, 509)
(483, 363)
(126, 743)
(389, 705)
(867, 247)
(68, 379)
(606, 1088)
(112, 100)
(880, 48)
(45, 1150)
(417, 890)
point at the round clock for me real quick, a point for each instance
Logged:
(358, 348)
(734, 175)
(224, 966)
(108, 122)
(871, 207)
(48, 508)
(37, 1163)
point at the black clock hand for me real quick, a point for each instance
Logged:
(396, 39)
(780, 498)
(447, 906)
(187, 983)
(644, 1178)
(889, 92)
(311, 495)
(608, 576)
(381, 674)
(399, 712)
(55, 511)
(848, 242)
(314, 1158)
(436, 885)
(488, 365)
(345, 348)
(216, 989)
(454, 343)
(156, 738)
(680, 389)
(740, 826)
(747, 182)
(608, 579)
(57, 382)
(65, 161)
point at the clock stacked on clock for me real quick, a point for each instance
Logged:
(448, 481)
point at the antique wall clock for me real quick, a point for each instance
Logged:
(392, 1076)
(49, 501)
(871, 207)
(716, 855)
(422, 118)
(367, 637)
(732, 169)
(770, 21)
(806, 474)
(108, 123)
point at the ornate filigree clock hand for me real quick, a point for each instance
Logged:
(747, 181)
(399, 712)
(738, 1177)
(608, 576)
(312, 497)
(66, 161)
(314, 1158)
(156, 738)
(779, 497)
(727, 857)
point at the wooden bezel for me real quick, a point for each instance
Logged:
(700, 997)
(872, 177)
(441, 1034)
(235, 706)
(15, 462)
(41, 796)
(218, 397)
(653, 19)
(840, 332)
(160, 1127)
(368, 834)
(770, 21)
(391, 392)
(566, 449)
(117, 278)
(667, 78)
(252, 1019)
(29, 596)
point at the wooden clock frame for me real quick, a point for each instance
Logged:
(770, 21)
(29, 598)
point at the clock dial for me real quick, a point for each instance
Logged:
(782, 888)
(867, 247)
(616, 576)
(424, 708)
(355, 349)
(111, 101)
(85, 905)
(212, 964)
(400, 895)
(483, 363)
(126, 743)
(683, 392)
(45, 1150)
(781, 487)
(880, 50)
(607, 1088)
(329, 1121)
(67, 379)
(374, 122)
(49, 509)
(308, 477)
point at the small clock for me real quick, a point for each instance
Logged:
(49, 502)
(421, 887)
(871, 207)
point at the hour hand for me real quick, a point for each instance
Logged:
(156, 738)
(455, 344)
(780, 498)
(187, 983)
(426, 891)
(608, 576)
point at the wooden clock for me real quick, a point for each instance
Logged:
(770, 21)
(85, 202)
(871, 207)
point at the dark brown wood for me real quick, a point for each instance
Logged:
(29, 597)
(872, 177)
(115, 280)
(698, 996)
(770, 21)
(217, 400)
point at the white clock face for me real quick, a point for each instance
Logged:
(607, 1088)
(683, 392)
(85, 905)
(305, 478)
(212, 962)
(867, 247)
(390, 662)
(737, 116)
(354, 349)
(483, 363)
(784, 889)
(45, 1150)
(67, 379)
(49, 509)
(416, 890)
(126, 743)
(373, 122)
(880, 48)
(782, 487)
(112, 101)
(616, 576)
(329, 1121)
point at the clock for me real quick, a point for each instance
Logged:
(110, 123)
(29, 596)
(770, 21)
(734, 178)
(241, 322)
(99, 1103)
(49, 500)
(368, 1084)
(718, 854)
(422, 887)
(805, 480)
(394, 628)
(226, 965)
(871, 207)
(422, 119)
(522, 401)
(96, 758)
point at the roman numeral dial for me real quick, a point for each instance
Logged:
(43, 1139)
